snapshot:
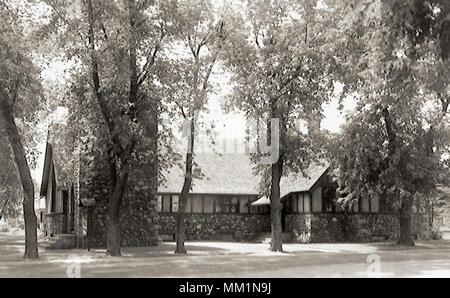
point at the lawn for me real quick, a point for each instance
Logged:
(230, 259)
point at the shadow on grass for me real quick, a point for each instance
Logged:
(164, 249)
(419, 245)
(11, 246)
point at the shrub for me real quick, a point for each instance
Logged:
(436, 234)
(4, 228)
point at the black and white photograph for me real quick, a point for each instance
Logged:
(224, 144)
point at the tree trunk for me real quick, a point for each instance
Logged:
(275, 210)
(406, 223)
(31, 246)
(180, 249)
(112, 235)
(113, 217)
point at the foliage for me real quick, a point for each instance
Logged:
(284, 66)
(385, 147)
(10, 186)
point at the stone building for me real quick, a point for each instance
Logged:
(75, 185)
(223, 205)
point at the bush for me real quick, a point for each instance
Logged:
(4, 228)
(436, 234)
(7, 225)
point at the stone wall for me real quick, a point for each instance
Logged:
(54, 224)
(137, 211)
(444, 215)
(361, 227)
(216, 226)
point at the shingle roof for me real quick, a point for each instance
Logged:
(298, 183)
(57, 151)
(232, 173)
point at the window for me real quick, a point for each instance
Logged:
(365, 204)
(374, 204)
(306, 203)
(188, 205)
(301, 203)
(208, 204)
(234, 205)
(300, 207)
(226, 205)
(294, 203)
(243, 207)
(166, 202)
(175, 203)
(219, 205)
(159, 208)
(317, 200)
(355, 206)
(197, 204)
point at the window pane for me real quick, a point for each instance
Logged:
(317, 200)
(374, 206)
(355, 206)
(219, 204)
(300, 203)
(294, 203)
(306, 203)
(234, 205)
(243, 208)
(254, 209)
(175, 203)
(208, 204)
(197, 204)
(365, 204)
(188, 205)
(225, 202)
(166, 203)
(159, 208)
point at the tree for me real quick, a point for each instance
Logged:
(19, 101)
(284, 67)
(385, 147)
(10, 186)
(201, 35)
(117, 43)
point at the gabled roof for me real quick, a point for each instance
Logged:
(232, 173)
(56, 154)
(297, 182)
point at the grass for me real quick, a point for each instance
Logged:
(230, 259)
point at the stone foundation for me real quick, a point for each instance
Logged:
(54, 224)
(237, 227)
(363, 227)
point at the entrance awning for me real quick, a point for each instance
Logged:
(261, 201)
